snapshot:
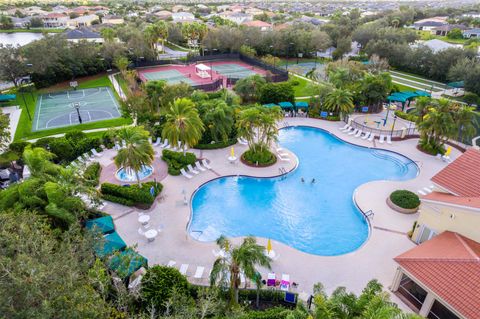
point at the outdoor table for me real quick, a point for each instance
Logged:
(151, 234)
(144, 219)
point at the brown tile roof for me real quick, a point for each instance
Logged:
(462, 176)
(473, 202)
(449, 265)
(257, 24)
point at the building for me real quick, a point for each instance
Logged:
(182, 17)
(263, 26)
(437, 45)
(455, 202)
(112, 19)
(56, 20)
(83, 34)
(471, 33)
(236, 17)
(440, 278)
(83, 21)
(445, 29)
(430, 23)
(180, 8)
(21, 22)
(163, 14)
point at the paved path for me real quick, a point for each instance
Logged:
(353, 270)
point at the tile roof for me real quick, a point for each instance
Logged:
(473, 202)
(257, 24)
(449, 265)
(462, 176)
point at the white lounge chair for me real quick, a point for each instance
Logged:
(364, 137)
(199, 272)
(157, 142)
(117, 146)
(165, 144)
(171, 263)
(348, 130)
(372, 136)
(192, 170)
(353, 132)
(124, 144)
(285, 159)
(183, 269)
(205, 163)
(150, 140)
(97, 154)
(359, 133)
(343, 128)
(285, 283)
(182, 171)
(199, 167)
(389, 139)
(381, 139)
(242, 141)
(421, 192)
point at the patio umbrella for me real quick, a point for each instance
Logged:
(103, 224)
(232, 152)
(449, 151)
(127, 262)
(269, 245)
(111, 243)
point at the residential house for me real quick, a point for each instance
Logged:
(21, 22)
(254, 11)
(471, 33)
(60, 9)
(83, 21)
(436, 45)
(440, 278)
(34, 10)
(112, 19)
(56, 20)
(180, 8)
(430, 23)
(83, 34)
(163, 14)
(263, 26)
(454, 204)
(236, 17)
(182, 17)
(445, 29)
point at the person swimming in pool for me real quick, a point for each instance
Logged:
(303, 180)
(313, 181)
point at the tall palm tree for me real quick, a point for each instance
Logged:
(162, 32)
(137, 152)
(339, 101)
(108, 34)
(183, 124)
(226, 269)
(466, 121)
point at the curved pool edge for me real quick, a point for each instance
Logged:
(354, 200)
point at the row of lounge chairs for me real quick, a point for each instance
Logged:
(242, 141)
(192, 171)
(199, 271)
(166, 145)
(370, 136)
(282, 155)
(284, 283)
(85, 158)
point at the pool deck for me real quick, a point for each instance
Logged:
(374, 260)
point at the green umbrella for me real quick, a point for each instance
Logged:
(127, 262)
(109, 244)
(103, 224)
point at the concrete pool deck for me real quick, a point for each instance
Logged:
(374, 260)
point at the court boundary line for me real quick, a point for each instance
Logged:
(114, 103)
(70, 118)
(39, 109)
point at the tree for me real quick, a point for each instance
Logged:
(183, 124)
(277, 92)
(244, 259)
(344, 45)
(12, 68)
(137, 153)
(36, 22)
(374, 89)
(108, 34)
(155, 91)
(471, 98)
(218, 118)
(249, 88)
(121, 63)
(6, 22)
(4, 131)
(455, 33)
(339, 101)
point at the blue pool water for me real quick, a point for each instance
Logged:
(319, 218)
(130, 176)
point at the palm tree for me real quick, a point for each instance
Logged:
(312, 75)
(226, 269)
(162, 31)
(466, 121)
(137, 152)
(183, 124)
(121, 63)
(38, 161)
(218, 118)
(339, 101)
(108, 34)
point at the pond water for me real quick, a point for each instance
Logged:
(19, 38)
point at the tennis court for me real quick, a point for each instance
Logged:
(233, 70)
(171, 76)
(66, 108)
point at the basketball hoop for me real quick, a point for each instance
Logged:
(74, 84)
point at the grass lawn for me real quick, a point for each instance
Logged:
(302, 89)
(402, 87)
(176, 47)
(122, 82)
(418, 78)
(33, 30)
(426, 35)
(24, 129)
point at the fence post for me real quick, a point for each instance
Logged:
(404, 132)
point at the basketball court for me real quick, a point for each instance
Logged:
(65, 108)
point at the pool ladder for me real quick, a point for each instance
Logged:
(369, 214)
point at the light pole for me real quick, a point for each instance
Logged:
(393, 125)
(77, 107)
(25, 103)
(288, 51)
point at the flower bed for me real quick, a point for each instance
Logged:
(259, 158)
(403, 201)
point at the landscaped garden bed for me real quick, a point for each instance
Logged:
(403, 201)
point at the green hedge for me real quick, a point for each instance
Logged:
(92, 174)
(131, 195)
(272, 313)
(213, 146)
(405, 199)
(263, 158)
(176, 161)
(406, 116)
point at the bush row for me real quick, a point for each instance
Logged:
(131, 195)
(405, 199)
(92, 174)
(406, 116)
(213, 146)
(176, 161)
(262, 158)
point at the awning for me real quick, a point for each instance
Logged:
(127, 262)
(301, 105)
(110, 243)
(202, 67)
(103, 224)
(270, 105)
(7, 97)
(286, 105)
(423, 93)
(458, 84)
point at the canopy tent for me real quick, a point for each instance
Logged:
(301, 105)
(270, 105)
(203, 71)
(423, 93)
(405, 96)
(127, 262)
(286, 105)
(111, 243)
(457, 85)
(104, 224)
(7, 97)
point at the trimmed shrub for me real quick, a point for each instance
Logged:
(406, 116)
(7, 158)
(18, 147)
(92, 174)
(176, 161)
(213, 146)
(131, 195)
(272, 313)
(430, 148)
(277, 92)
(159, 283)
(405, 199)
(262, 158)
(62, 148)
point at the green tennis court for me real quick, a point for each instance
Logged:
(171, 76)
(233, 70)
(66, 108)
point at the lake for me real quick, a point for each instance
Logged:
(19, 38)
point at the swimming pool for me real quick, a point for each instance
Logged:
(318, 218)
